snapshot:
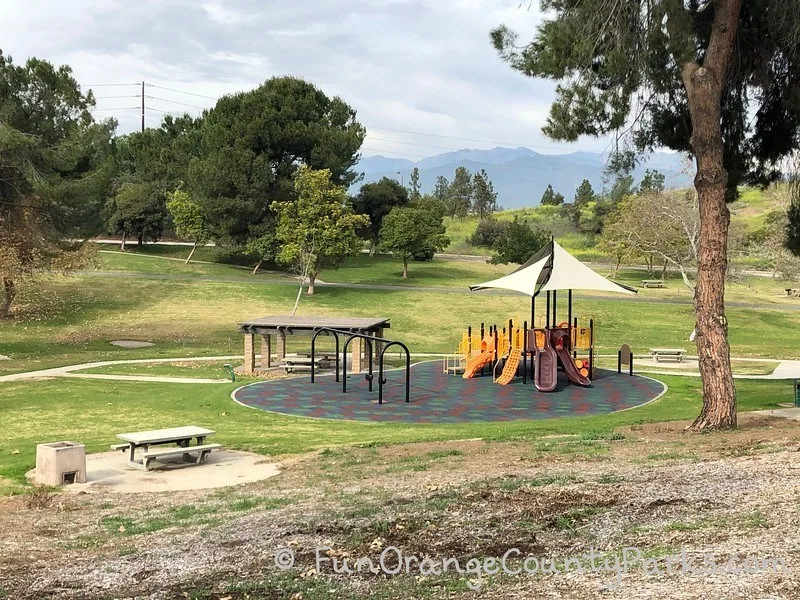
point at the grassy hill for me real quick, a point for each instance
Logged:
(749, 213)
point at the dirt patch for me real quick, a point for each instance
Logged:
(650, 486)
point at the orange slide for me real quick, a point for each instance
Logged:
(477, 362)
(510, 368)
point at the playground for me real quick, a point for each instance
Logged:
(436, 397)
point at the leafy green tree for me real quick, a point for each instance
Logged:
(550, 198)
(441, 190)
(459, 196)
(431, 204)
(415, 185)
(623, 186)
(251, 143)
(584, 194)
(189, 219)
(55, 172)
(376, 200)
(138, 211)
(487, 233)
(410, 232)
(152, 161)
(484, 198)
(717, 79)
(319, 228)
(518, 242)
(652, 182)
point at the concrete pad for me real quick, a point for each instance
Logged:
(131, 344)
(785, 413)
(110, 472)
(2, 357)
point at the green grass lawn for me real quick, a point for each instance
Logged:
(71, 320)
(92, 412)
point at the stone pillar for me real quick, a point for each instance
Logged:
(266, 350)
(378, 345)
(356, 353)
(249, 353)
(281, 351)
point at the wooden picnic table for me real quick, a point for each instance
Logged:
(181, 436)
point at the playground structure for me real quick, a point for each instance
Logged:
(516, 350)
(377, 344)
(550, 344)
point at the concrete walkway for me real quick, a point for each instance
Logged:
(74, 370)
(69, 371)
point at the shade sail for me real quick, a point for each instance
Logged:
(550, 269)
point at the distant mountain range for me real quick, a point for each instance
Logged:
(520, 175)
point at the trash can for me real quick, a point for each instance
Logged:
(60, 463)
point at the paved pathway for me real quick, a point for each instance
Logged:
(69, 371)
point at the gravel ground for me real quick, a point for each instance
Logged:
(676, 497)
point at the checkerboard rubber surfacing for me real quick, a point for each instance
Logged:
(440, 398)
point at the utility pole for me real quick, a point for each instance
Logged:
(143, 106)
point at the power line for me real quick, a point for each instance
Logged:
(161, 87)
(117, 108)
(175, 102)
(113, 97)
(110, 85)
(450, 137)
(391, 152)
(413, 144)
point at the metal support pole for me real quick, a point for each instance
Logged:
(547, 318)
(555, 320)
(569, 314)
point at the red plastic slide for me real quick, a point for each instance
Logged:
(546, 372)
(560, 338)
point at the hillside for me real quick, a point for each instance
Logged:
(520, 175)
(748, 213)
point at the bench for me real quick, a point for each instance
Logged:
(303, 363)
(653, 283)
(676, 353)
(186, 452)
(793, 292)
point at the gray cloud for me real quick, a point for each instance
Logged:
(414, 65)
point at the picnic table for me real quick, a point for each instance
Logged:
(676, 353)
(653, 283)
(792, 292)
(180, 436)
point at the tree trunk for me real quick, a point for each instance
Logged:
(704, 85)
(191, 254)
(124, 239)
(664, 270)
(312, 277)
(373, 248)
(140, 240)
(9, 293)
(257, 267)
(405, 268)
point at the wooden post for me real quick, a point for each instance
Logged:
(266, 350)
(249, 353)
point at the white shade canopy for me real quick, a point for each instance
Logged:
(550, 269)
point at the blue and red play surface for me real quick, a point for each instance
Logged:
(440, 398)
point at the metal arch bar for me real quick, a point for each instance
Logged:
(368, 377)
(313, 350)
(381, 380)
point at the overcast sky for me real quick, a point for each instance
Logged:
(422, 66)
